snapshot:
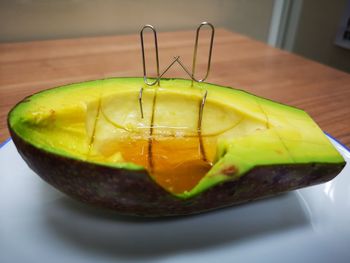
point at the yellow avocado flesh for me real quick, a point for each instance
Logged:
(100, 122)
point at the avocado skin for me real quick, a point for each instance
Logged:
(134, 193)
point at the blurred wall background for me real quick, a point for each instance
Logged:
(309, 29)
(23, 20)
(317, 27)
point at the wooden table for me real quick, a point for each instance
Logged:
(237, 61)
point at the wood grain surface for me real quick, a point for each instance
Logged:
(237, 61)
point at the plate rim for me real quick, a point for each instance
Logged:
(2, 144)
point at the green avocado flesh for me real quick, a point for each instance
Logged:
(184, 150)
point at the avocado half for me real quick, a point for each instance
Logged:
(91, 141)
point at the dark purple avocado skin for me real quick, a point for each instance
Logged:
(135, 193)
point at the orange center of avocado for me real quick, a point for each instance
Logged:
(177, 164)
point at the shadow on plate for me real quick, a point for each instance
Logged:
(105, 233)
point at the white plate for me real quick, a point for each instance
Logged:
(39, 224)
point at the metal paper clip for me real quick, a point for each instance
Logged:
(143, 55)
(176, 59)
(196, 49)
